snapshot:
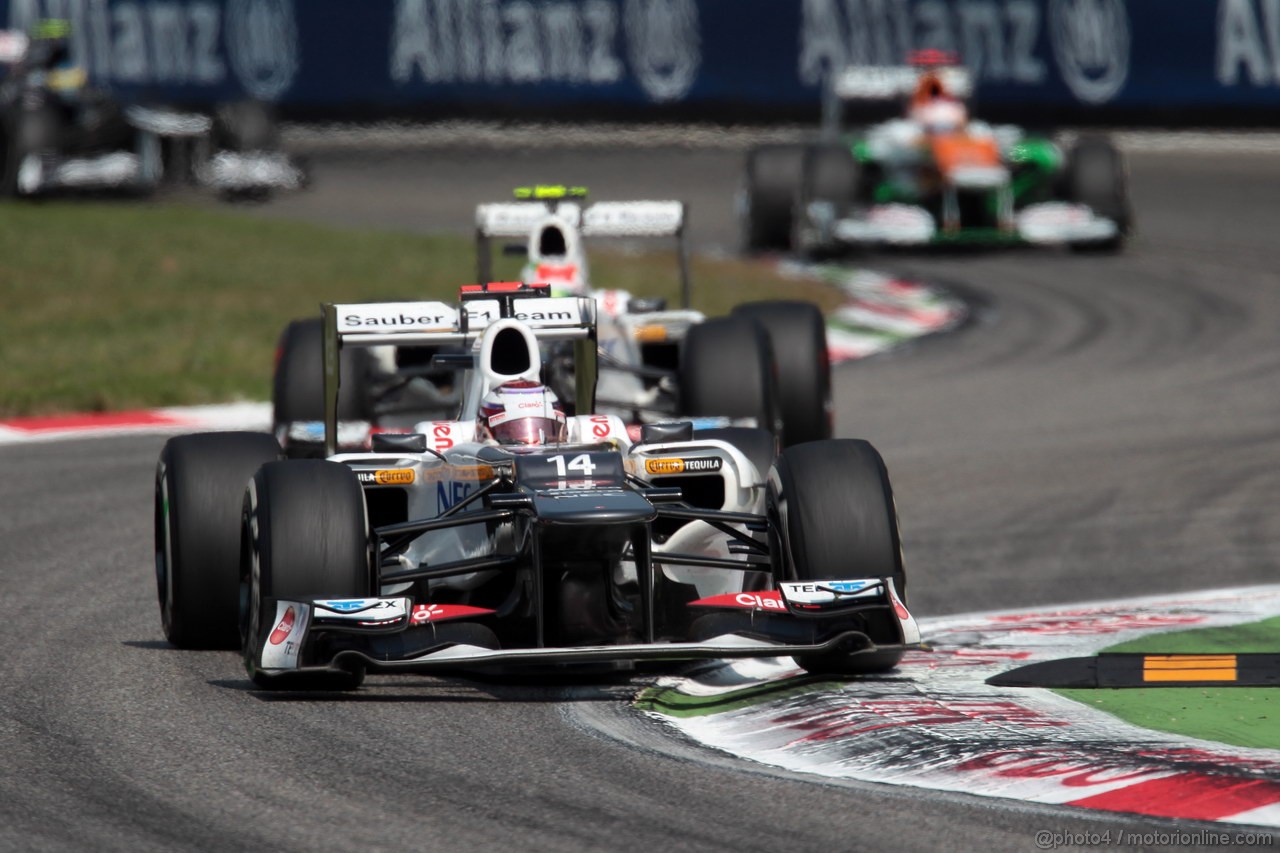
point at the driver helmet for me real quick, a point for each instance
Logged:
(935, 109)
(521, 412)
(50, 44)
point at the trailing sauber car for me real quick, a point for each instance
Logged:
(934, 176)
(765, 365)
(59, 132)
(657, 362)
(517, 535)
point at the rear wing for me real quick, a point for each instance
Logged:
(880, 82)
(885, 83)
(439, 323)
(647, 219)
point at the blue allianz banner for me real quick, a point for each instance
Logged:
(639, 57)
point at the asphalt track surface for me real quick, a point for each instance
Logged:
(1108, 427)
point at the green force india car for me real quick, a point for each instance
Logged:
(931, 177)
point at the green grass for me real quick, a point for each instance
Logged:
(117, 306)
(1261, 637)
(1244, 716)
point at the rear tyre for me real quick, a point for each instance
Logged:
(200, 482)
(10, 162)
(26, 131)
(246, 126)
(769, 182)
(798, 337)
(305, 535)
(1096, 176)
(831, 505)
(297, 389)
(829, 176)
(727, 370)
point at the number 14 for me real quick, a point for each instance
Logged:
(582, 462)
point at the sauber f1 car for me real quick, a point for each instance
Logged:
(765, 365)
(60, 132)
(456, 547)
(657, 362)
(931, 177)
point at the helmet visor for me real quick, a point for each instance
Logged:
(529, 431)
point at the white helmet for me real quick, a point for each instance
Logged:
(940, 115)
(521, 412)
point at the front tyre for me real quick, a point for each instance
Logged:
(305, 535)
(770, 177)
(831, 505)
(200, 482)
(830, 178)
(1096, 177)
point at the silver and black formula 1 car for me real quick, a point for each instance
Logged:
(440, 551)
(60, 132)
(766, 364)
(657, 362)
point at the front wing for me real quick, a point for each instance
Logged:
(462, 656)
(392, 635)
(1048, 223)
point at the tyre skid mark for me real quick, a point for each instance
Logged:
(935, 723)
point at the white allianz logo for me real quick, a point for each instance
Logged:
(1248, 42)
(573, 41)
(133, 42)
(996, 38)
(262, 44)
(665, 46)
(1091, 43)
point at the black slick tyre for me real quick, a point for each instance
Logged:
(246, 126)
(26, 130)
(200, 481)
(770, 177)
(10, 160)
(305, 535)
(831, 506)
(1096, 176)
(297, 388)
(727, 370)
(798, 336)
(829, 176)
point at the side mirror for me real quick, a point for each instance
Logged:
(399, 442)
(664, 432)
(646, 304)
